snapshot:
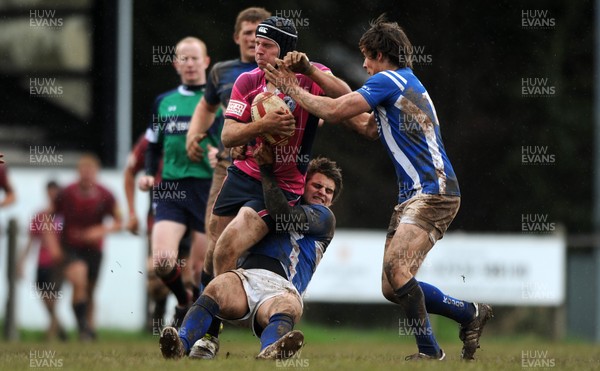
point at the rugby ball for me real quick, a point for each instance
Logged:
(264, 103)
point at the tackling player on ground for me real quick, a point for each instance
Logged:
(429, 196)
(265, 293)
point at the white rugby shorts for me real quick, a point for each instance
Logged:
(261, 285)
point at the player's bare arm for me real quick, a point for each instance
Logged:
(364, 124)
(129, 185)
(350, 109)
(9, 195)
(277, 123)
(329, 109)
(202, 119)
(298, 62)
(238, 153)
(275, 200)
(332, 86)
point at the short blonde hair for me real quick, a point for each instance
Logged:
(191, 40)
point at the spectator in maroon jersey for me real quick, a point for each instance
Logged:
(84, 205)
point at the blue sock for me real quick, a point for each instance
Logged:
(411, 299)
(279, 325)
(197, 321)
(438, 303)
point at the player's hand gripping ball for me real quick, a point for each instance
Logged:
(264, 103)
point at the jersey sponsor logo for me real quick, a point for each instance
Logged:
(290, 103)
(177, 127)
(236, 108)
(172, 108)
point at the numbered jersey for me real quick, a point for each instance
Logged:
(409, 128)
(299, 246)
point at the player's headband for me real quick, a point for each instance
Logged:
(281, 31)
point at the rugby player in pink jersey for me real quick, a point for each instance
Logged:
(242, 219)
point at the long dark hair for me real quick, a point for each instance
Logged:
(389, 39)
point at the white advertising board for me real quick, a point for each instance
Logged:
(515, 269)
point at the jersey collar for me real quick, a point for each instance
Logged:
(189, 89)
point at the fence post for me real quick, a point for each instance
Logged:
(560, 321)
(10, 328)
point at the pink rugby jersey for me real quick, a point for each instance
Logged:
(291, 159)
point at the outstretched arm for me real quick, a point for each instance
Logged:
(332, 86)
(343, 108)
(202, 119)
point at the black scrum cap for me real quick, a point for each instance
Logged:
(281, 31)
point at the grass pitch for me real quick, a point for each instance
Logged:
(325, 349)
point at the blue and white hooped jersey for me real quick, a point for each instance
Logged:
(409, 128)
(301, 248)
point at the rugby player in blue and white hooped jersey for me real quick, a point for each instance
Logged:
(302, 233)
(265, 292)
(429, 195)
